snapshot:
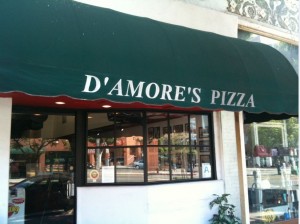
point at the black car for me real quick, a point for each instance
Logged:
(48, 198)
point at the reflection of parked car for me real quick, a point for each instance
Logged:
(138, 164)
(47, 198)
(90, 166)
(119, 161)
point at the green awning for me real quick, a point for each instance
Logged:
(23, 150)
(53, 48)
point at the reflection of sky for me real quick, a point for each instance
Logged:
(288, 50)
(193, 137)
(193, 123)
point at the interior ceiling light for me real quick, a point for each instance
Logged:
(106, 106)
(60, 102)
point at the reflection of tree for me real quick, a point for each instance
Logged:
(181, 153)
(248, 139)
(100, 143)
(163, 149)
(175, 139)
(109, 141)
(292, 128)
(272, 137)
(37, 146)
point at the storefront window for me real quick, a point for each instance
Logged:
(115, 142)
(272, 151)
(41, 169)
(177, 147)
(272, 169)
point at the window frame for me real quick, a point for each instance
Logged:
(81, 136)
(145, 146)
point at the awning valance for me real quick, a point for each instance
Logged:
(52, 48)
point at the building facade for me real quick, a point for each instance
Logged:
(142, 153)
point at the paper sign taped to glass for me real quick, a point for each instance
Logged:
(206, 170)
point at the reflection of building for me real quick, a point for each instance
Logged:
(153, 158)
(41, 155)
(122, 156)
(128, 156)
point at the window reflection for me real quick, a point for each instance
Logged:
(131, 167)
(158, 128)
(41, 163)
(272, 168)
(181, 163)
(176, 144)
(115, 142)
(158, 164)
(191, 136)
(179, 135)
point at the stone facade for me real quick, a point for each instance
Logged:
(280, 13)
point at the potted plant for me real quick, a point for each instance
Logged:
(225, 211)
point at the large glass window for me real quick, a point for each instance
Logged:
(114, 147)
(147, 147)
(272, 170)
(272, 155)
(41, 168)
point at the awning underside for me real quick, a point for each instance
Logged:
(63, 48)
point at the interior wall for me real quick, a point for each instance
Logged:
(56, 127)
(5, 121)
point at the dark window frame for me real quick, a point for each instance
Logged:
(81, 135)
(146, 145)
